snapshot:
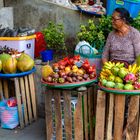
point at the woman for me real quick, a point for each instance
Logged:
(123, 43)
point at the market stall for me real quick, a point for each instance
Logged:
(17, 90)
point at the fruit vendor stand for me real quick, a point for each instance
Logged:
(117, 115)
(69, 105)
(17, 81)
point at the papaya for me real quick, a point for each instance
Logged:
(25, 62)
(10, 65)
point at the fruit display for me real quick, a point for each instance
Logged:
(9, 64)
(69, 70)
(118, 76)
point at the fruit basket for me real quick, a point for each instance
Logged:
(120, 78)
(118, 91)
(69, 85)
(69, 72)
(18, 74)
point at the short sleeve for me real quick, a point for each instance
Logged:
(106, 48)
(136, 42)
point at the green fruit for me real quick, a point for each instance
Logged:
(111, 78)
(110, 84)
(103, 82)
(115, 70)
(128, 87)
(122, 72)
(118, 80)
(119, 86)
(4, 57)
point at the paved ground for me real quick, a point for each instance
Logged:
(35, 131)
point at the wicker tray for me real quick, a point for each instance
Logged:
(118, 91)
(69, 85)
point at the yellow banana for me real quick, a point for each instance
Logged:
(136, 70)
(133, 67)
(108, 72)
(118, 63)
(129, 68)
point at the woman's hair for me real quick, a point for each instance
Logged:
(124, 15)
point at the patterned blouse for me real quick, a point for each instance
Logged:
(125, 48)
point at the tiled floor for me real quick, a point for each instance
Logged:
(35, 131)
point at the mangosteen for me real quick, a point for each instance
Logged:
(85, 76)
(69, 79)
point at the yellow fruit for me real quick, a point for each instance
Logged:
(10, 65)
(46, 71)
(74, 67)
(75, 70)
(80, 71)
(67, 69)
(25, 63)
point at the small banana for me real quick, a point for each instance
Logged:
(130, 68)
(121, 65)
(118, 63)
(108, 72)
(133, 67)
(136, 70)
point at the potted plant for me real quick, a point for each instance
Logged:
(54, 37)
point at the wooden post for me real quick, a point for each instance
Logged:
(58, 114)
(119, 116)
(18, 97)
(100, 116)
(48, 114)
(110, 118)
(133, 119)
(67, 114)
(78, 119)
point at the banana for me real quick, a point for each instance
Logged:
(107, 67)
(103, 73)
(108, 72)
(118, 63)
(121, 65)
(133, 67)
(136, 70)
(107, 64)
(130, 68)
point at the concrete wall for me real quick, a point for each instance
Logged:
(37, 14)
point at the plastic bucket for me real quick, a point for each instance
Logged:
(47, 55)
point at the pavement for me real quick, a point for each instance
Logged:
(34, 131)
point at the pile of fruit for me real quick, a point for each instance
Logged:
(69, 70)
(116, 75)
(10, 64)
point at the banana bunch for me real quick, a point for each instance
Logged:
(133, 68)
(119, 64)
(105, 73)
(109, 65)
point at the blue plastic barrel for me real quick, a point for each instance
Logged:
(133, 6)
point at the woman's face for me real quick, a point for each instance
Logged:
(117, 22)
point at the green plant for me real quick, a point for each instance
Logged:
(95, 34)
(136, 22)
(54, 36)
